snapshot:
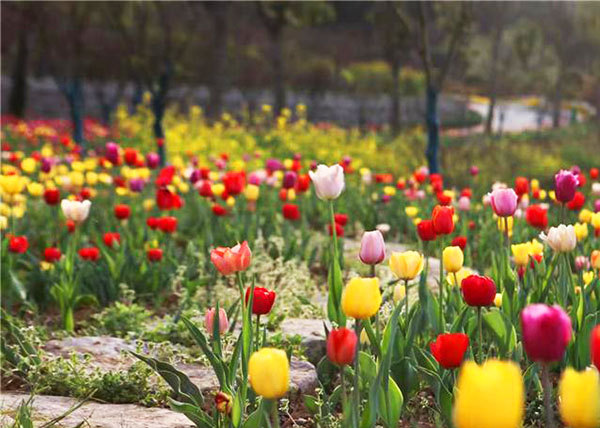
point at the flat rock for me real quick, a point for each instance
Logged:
(97, 415)
(312, 333)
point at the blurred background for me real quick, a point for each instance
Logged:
(456, 69)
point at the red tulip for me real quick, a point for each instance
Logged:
(303, 183)
(537, 216)
(449, 349)
(340, 219)
(478, 290)
(52, 254)
(131, 156)
(154, 254)
(89, 253)
(70, 226)
(290, 212)
(595, 346)
(86, 193)
(341, 346)
(460, 241)
(218, 210)
(52, 196)
(521, 186)
(205, 189)
(443, 224)
(425, 230)
(152, 223)
(594, 172)
(122, 211)
(262, 301)
(110, 238)
(167, 200)
(18, 244)
(577, 202)
(167, 224)
(339, 230)
(443, 199)
(234, 182)
(231, 260)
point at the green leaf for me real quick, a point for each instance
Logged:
(390, 404)
(193, 413)
(334, 297)
(502, 330)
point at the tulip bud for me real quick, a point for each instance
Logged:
(498, 300)
(269, 373)
(478, 290)
(372, 248)
(442, 217)
(453, 259)
(209, 320)
(328, 181)
(582, 263)
(262, 300)
(341, 346)
(223, 402)
(579, 398)
(406, 265)
(112, 152)
(426, 231)
(464, 203)
(361, 298)
(546, 332)
(565, 185)
(75, 210)
(504, 202)
(449, 349)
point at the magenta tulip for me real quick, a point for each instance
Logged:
(546, 332)
(372, 248)
(565, 186)
(504, 202)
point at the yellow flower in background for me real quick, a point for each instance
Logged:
(288, 163)
(12, 184)
(411, 211)
(238, 165)
(4, 210)
(389, 190)
(218, 189)
(91, 178)
(588, 277)
(521, 253)
(579, 398)
(148, 204)
(77, 178)
(581, 231)
(291, 195)
(269, 373)
(535, 184)
(460, 275)
(35, 189)
(417, 220)
(278, 175)
(543, 195)
(501, 224)
(3, 222)
(453, 259)
(28, 165)
(536, 247)
(183, 187)
(62, 169)
(406, 265)
(585, 215)
(595, 220)
(230, 201)
(361, 298)
(18, 211)
(399, 293)
(498, 300)
(491, 395)
(122, 191)
(78, 166)
(213, 175)
(251, 192)
(47, 151)
(90, 164)
(105, 178)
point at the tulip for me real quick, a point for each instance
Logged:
(89, 253)
(474, 170)
(457, 277)
(122, 211)
(209, 320)
(361, 298)
(18, 244)
(581, 231)
(464, 203)
(491, 395)
(498, 300)
(537, 216)
(154, 254)
(152, 160)
(340, 219)
(167, 224)
(341, 346)
(251, 192)
(478, 290)
(223, 402)
(521, 253)
(52, 254)
(290, 212)
(579, 398)
(582, 263)
(262, 300)
(231, 260)
(328, 181)
(289, 180)
(443, 223)
(339, 230)
(546, 332)
(426, 231)
(577, 202)
(372, 248)
(521, 186)
(406, 265)
(565, 185)
(561, 238)
(52, 196)
(504, 202)
(459, 241)
(75, 210)
(112, 152)
(595, 259)
(595, 346)
(399, 293)
(110, 238)
(453, 259)
(269, 373)
(449, 349)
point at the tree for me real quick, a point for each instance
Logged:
(276, 16)
(218, 10)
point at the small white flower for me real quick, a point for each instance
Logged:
(75, 210)
(596, 189)
(560, 239)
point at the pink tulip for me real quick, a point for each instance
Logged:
(231, 260)
(209, 320)
(464, 203)
(112, 152)
(372, 248)
(504, 202)
(546, 332)
(565, 185)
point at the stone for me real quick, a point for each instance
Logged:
(312, 333)
(96, 415)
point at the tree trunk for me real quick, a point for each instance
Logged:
(76, 104)
(159, 103)
(215, 105)
(556, 110)
(493, 80)
(433, 129)
(18, 93)
(138, 94)
(395, 113)
(277, 59)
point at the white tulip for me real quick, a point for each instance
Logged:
(561, 238)
(328, 181)
(596, 189)
(75, 210)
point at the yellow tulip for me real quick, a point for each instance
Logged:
(389, 190)
(489, 396)
(364, 337)
(536, 247)
(218, 189)
(411, 211)
(3, 222)
(399, 293)
(498, 300)
(543, 194)
(453, 278)
(291, 195)
(521, 253)
(35, 189)
(78, 166)
(406, 265)
(28, 165)
(288, 163)
(77, 178)
(535, 184)
(252, 192)
(230, 201)
(579, 398)
(91, 178)
(361, 298)
(453, 259)
(269, 373)
(12, 184)
(595, 220)
(581, 231)
(585, 215)
(148, 204)
(588, 277)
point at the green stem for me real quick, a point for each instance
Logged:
(479, 322)
(506, 234)
(275, 413)
(333, 231)
(442, 290)
(406, 300)
(257, 347)
(547, 386)
(355, 391)
(68, 319)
